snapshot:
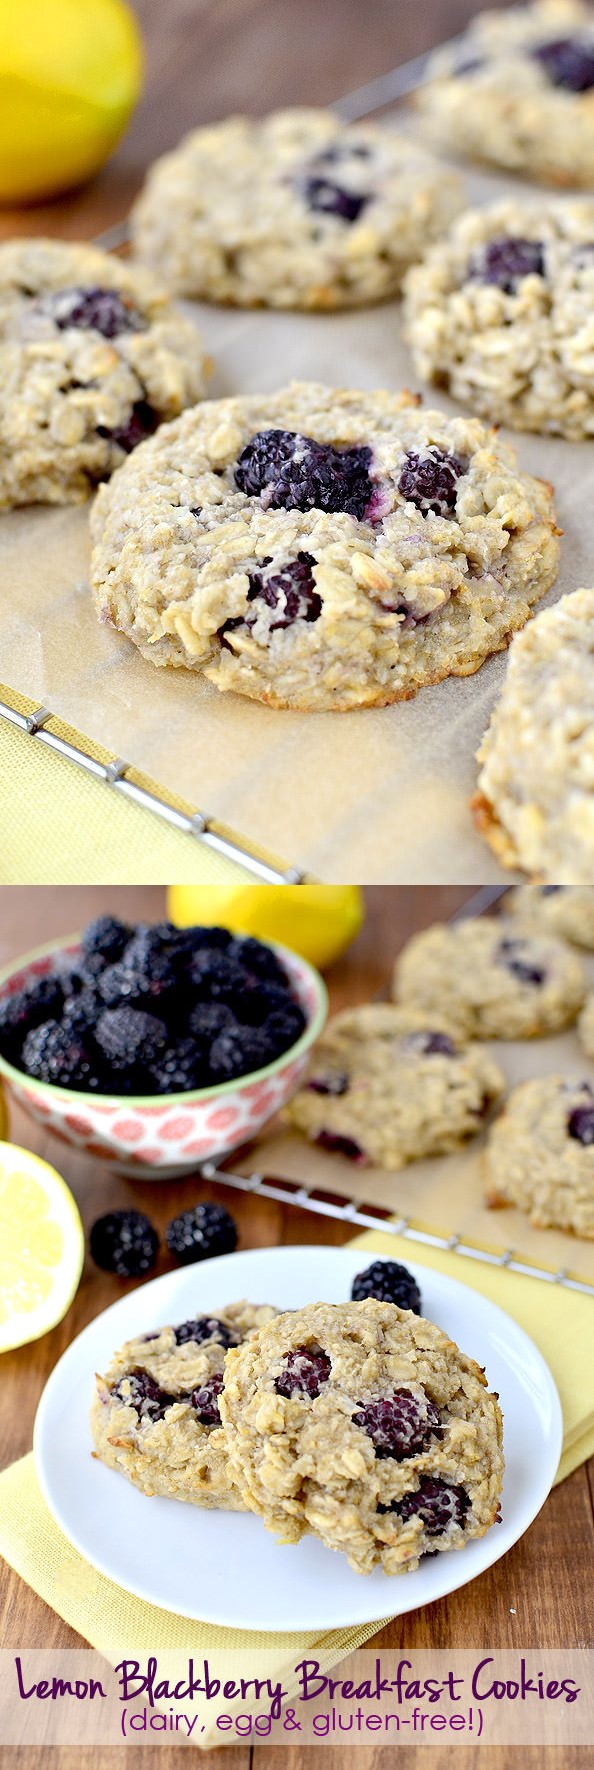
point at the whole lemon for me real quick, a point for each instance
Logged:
(317, 921)
(70, 75)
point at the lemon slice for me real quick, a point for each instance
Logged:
(42, 1247)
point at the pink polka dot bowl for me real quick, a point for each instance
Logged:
(164, 1136)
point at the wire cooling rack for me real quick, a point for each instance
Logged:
(46, 728)
(351, 1212)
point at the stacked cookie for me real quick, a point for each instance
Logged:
(360, 1423)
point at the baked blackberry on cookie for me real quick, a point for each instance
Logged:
(93, 355)
(320, 548)
(540, 1154)
(387, 1084)
(518, 92)
(155, 1414)
(491, 978)
(535, 797)
(291, 210)
(365, 1425)
(500, 313)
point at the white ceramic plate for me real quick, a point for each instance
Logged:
(224, 1567)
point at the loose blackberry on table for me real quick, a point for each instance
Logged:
(124, 1242)
(201, 1233)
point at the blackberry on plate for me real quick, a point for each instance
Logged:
(143, 1394)
(436, 1502)
(388, 1282)
(205, 1400)
(568, 62)
(294, 472)
(124, 1242)
(57, 1054)
(238, 1052)
(97, 310)
(291, 591)
(26, 1009)
(505, 262)
(400, 1425)
(205, 1327)
(327, 198)
(431, 481)
(580, 1125)
(142, 421)
(306, 1368)
(200, 1233)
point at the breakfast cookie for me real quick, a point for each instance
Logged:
(292, 210)
(318, 548)
(386, 1085)
(540, 1154)
(567, 910)
(155, 1415)
(518, 91)
(535, 799)
(93, 355)
(500, 313)
(363, 1424)
(492, 978)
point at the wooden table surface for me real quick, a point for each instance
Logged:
(536, 1596)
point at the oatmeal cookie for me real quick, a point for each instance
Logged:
(155, 1415)
(540, 1154)
(93, 355)
(386, 1085)
(491, 978)
(292, 210)
(586, 1026)
(363, 1424)
(535, 798)
(567, 910)
(500, 313)
(318, 548)
(518, 92)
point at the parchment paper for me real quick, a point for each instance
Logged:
(380, 795)
(445, 1194)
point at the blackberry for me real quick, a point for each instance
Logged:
(306, 1369)
(291, 591)
(26, 1009)
(96, 310)
(130, 1039)
(124, 1242)
(205, 1400)
(327, 198)
(294, 472)
(199, 1234)
(338, 1145)
(179, 1068)
(437, 1503)
(430, 481)
(142, 422)
(57, 1054)
(567, 62)
(329, 1084)
(143, 1394)
(208, 1019)
(509, 953)
(388, 1283)
(506, 261)
(259, 960)
(146, 973)
(81, 1011)
(580, 1124)
(400, 1425)
(103, 942)
(216, 977)
(238, 1052)
(206, 1327)
(261, 1001)
(284, 1027)
(430, 1044)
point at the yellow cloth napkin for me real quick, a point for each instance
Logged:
(60, 826)
(113, 1622)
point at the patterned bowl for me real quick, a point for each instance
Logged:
(161, 1137)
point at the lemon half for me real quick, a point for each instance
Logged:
(42, 1247)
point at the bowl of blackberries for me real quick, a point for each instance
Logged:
(156, 1047)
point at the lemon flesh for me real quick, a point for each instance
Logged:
(317, 921)
(70, 75)
(41, 1247)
